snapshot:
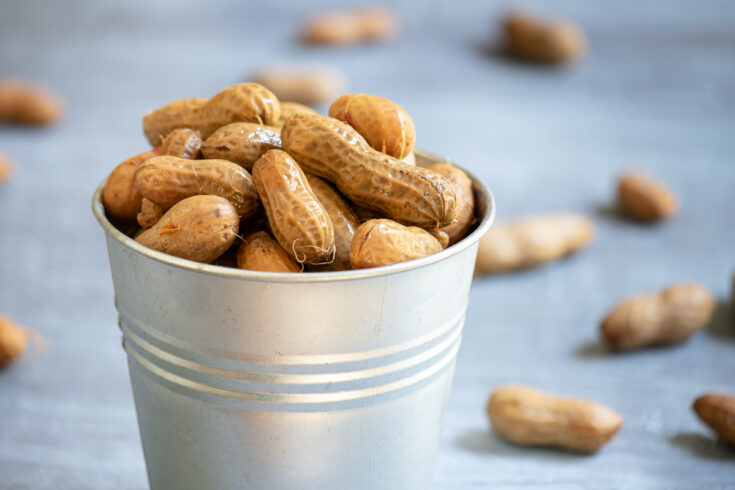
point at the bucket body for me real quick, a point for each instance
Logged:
(334, 380)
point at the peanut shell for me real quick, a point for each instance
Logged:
(529, 417)
(380, 242)
(333, 150)
(296, 217)
(242, 143)
(198, 228)
(260, 252)
(182, 143)
(344, 220)
(661, 318)
(27, 103)
(167, 180)
(385, 125)
(643, 198)
(532, 241)
(718, 411)
(465, 198)
(121, 198)
(543, 41)
(13, 341)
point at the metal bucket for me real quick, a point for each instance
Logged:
(259, 380)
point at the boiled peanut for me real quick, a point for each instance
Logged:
(247, 102)
(543, 40)
(529, 417)
(643, 198)
(13, 341)
(6, 168)
(149, 214)
(379, 242)
(306, 85)
(288, 109)
(242, 143)
(385, 125)
(182, 143)
(198, 228)
(167, 180)
(296, 217)
(718, 411)
(120, 197)
(344, 220)
(182, 113)
(350, 27)
(532, 241)
(260, 252)
(333, 150)
(465, 198)
(441, 237)
(665, 317)
(26, 103)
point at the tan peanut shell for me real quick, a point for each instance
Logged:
(718, 411)
(182, 143)
(441, 237)
(305, 85)
(297, 219)
(333, 150)
(465, 198)
(350, 26)
(532, 241)
(6, 168)
(385, 125)
(643, 198)
(120, 197)
(198, 228)
(182, 113)
(529, 417)
(13, 341)
(288, 109)
(542, 40)
(149, 214)
(167, 180)
(379, 242)
(344, 221)
(27, 103)
(260, 252)
(665, 317)
(247, 102)
(242, 143)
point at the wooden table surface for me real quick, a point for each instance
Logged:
(656, 92)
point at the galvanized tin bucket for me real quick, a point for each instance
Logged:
(333, 380)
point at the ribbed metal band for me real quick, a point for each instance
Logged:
(287, 379)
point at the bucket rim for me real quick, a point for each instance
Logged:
(299, 277)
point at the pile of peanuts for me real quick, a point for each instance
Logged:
(303, 191)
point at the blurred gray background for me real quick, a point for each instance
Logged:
(656, 92)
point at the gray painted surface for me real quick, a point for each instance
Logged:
(657, 92)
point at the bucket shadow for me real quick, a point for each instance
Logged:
(722, 325)
(592, 350)
(497, 51)
(703, 447)
(611, 212)
(484, 442)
